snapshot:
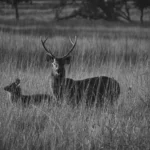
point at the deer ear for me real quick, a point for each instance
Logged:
(17, 82)
(67, 60)
(49, 58)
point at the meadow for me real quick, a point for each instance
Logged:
(116, 50)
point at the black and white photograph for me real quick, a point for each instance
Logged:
(74, 74)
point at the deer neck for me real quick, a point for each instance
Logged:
(57, 83)
(57, 80)
(17, 95)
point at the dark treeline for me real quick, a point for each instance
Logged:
(90, 9)
(107, 9)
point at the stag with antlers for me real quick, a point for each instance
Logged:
(95, 90)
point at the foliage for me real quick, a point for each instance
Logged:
(91, 9)
(109, 9)
(141, 5)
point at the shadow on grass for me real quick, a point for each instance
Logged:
(74, 27)
(51, 32)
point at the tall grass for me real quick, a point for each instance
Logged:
(123, 126)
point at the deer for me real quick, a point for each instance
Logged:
(15, 95)
(94, 91)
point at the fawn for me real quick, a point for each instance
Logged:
(15, 95)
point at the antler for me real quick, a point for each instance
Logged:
(48, 51)
(73, 45)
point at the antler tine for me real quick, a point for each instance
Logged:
(73, 45)
(48, 51)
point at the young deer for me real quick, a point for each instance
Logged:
(15, 95)
(96, 90)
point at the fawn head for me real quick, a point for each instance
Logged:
(58, 63)
(14, 87)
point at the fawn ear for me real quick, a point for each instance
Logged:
(49, 58)
(17, 82)
(67, 60)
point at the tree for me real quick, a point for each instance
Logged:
(60, 5)
(96, 9)
(122, 9)
(127, 9)
(15, 4)
(141, 5)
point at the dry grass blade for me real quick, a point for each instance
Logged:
(52, 120)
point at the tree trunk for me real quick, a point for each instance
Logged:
(16, 11)
(141, 17)
(57, 13)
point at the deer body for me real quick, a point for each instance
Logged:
(15, 95)
(92, 90)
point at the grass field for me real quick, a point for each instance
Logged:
(113, 49)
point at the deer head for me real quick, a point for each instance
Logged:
(14, 88)
(58, 63)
